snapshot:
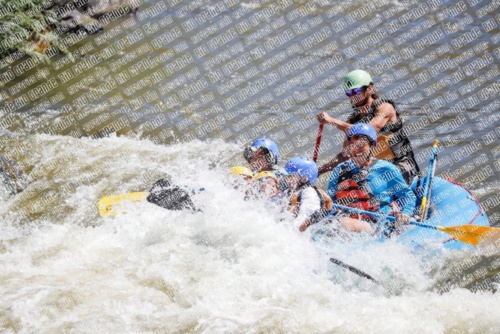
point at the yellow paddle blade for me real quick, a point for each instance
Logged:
(471, 234)
(106, 204)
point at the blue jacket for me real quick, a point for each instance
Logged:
(386, 183)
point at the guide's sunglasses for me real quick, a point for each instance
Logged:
(355, 91)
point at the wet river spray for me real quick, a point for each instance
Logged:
(181, 102)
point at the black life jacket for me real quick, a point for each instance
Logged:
(392, 142)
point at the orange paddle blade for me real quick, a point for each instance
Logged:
(471, 234)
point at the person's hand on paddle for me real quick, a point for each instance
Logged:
(324, 118)
(403, 219)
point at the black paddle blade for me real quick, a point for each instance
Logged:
(353, 269)
(169, 196)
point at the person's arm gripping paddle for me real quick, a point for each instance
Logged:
(383, 114)
(324, 118)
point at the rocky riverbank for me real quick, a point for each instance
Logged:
(91, 15)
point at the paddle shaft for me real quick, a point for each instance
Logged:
(376, 215)
(318, 142)
(469, 234)
(423, 217)
(428, 182)
(368, 213)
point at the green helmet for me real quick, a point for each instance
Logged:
(357, 79)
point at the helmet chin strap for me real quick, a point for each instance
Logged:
(270, 159)
(368, 157)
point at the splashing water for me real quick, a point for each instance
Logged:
(236, 267)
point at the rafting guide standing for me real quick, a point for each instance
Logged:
(394, 145)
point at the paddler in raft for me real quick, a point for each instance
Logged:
(308, 203)
(263, 184)
(263, 156)
(172, 197)
(394, 145)
(367, 183)
(267, 184)
(242, 177)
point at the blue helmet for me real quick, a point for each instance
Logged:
(269, 145)
(304, 167)
(365, 130)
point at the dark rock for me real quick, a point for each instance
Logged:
(85, 14)
(76, 20)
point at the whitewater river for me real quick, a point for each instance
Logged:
(159, 95)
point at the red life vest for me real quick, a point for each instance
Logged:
(353, 190)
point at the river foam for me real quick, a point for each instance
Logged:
(232, 268)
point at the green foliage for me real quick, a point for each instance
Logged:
(28, 26)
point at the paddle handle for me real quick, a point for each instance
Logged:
(318, 142)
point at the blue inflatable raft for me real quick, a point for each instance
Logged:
(450, 205)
